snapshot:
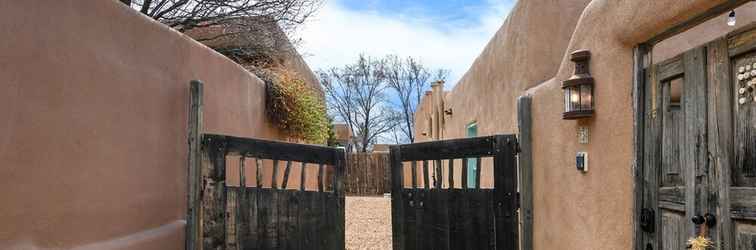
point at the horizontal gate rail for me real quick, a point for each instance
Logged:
(456, 217)
(281, 151)
(449, 149)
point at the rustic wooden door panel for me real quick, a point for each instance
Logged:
(746, 237)
(675, 156)
(742, 188)
(672, 222)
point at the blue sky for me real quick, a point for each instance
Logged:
(441, 33)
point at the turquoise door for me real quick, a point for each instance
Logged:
(472, 163)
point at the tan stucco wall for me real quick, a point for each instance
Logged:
(525, 51)
(94, 121)
(572, 210)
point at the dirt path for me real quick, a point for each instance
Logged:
(368, 223)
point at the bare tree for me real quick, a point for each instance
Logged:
(409, 79)
(184, 15)
(356, 95)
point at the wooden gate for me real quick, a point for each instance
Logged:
(272, 213)
(449, 216)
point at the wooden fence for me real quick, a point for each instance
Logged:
(367, 174)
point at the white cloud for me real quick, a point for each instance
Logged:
(337, 35)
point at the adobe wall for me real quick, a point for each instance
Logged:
(93, 131)
(572, 210)
(525, 51)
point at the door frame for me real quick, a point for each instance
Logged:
(641, 65)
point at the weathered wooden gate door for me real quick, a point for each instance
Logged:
(275, 211)
(455, 216)
(700, 146)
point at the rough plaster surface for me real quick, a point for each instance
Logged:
(572, 210)
(94, 121)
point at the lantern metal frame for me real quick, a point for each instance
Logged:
(578, 89)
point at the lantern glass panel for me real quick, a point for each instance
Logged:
(567, 100)
(572, 94)
(586, 100)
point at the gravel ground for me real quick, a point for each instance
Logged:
(368, 223)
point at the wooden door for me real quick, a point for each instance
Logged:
(699, 144)
(736, 64)
(676, 128)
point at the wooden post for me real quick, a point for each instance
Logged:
(193, 230)
(524, 123)
(397, 184)
(338, 189)
(505, 188)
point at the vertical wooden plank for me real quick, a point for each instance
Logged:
(451, 174)
(268, 222)
(320, 177)
(481, 214)
(720, 131)
(274, 177)
(303, 177)
(478, 166)
(287, 170)
(420, 220)
(438, 218)
(694, 146)
(397, 185)
(308, 220)
(232, 218)
(253, 220)
(651, 155)
(464, 173)
(505, 187)
(259, 172)
(525, 168)
(242, 207)
(640, 54)
(456, 219)
(214, 195)
(339, 192)
(287, 214)
(323, 227)
(194, 179)
(467, 216)
(426, 178)
(439, 181)
(414, 174)
(410, 218)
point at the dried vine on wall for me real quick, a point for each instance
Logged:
(294, 106)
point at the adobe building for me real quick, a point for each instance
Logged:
(667, 128)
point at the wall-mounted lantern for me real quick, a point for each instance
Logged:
(578, 90)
